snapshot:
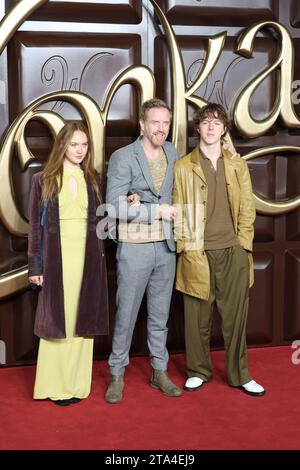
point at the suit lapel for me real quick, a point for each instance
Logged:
(169, 170)
(143, 162)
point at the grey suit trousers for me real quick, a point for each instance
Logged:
(142, 267)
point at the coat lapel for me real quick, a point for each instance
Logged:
(229, 169)
(197, 167)
(91, 200)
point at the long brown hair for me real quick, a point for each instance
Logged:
(53, 172)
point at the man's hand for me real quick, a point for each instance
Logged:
(230, 147)
(38, 280)
(134, 199)
(167, 212)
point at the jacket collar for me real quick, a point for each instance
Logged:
(195, 159)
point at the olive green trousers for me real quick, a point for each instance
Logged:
(229, 289)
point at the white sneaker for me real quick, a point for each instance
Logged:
(192, 384)
(253, 388)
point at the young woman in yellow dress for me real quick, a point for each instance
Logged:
(67, 260)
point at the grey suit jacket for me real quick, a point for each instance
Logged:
(128, 173)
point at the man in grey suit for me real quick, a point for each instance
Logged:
(146, 250)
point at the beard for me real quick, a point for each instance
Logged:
(158, 139)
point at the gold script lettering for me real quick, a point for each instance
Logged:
(269, 206)
(143, 78)
(181, 93)
(283, 106)
(15, 17)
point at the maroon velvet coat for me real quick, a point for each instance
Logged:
(92, 315)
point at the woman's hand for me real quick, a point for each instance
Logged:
(38, 280)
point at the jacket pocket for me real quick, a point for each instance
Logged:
(193, 274)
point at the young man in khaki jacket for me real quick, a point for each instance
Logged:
(214, 233)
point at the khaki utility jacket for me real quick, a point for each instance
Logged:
(190, 196)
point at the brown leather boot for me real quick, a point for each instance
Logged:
(161, 381)
(114, 392)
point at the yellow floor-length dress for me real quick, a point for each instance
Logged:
(64, 367)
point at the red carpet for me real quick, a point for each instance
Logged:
(215, 417)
